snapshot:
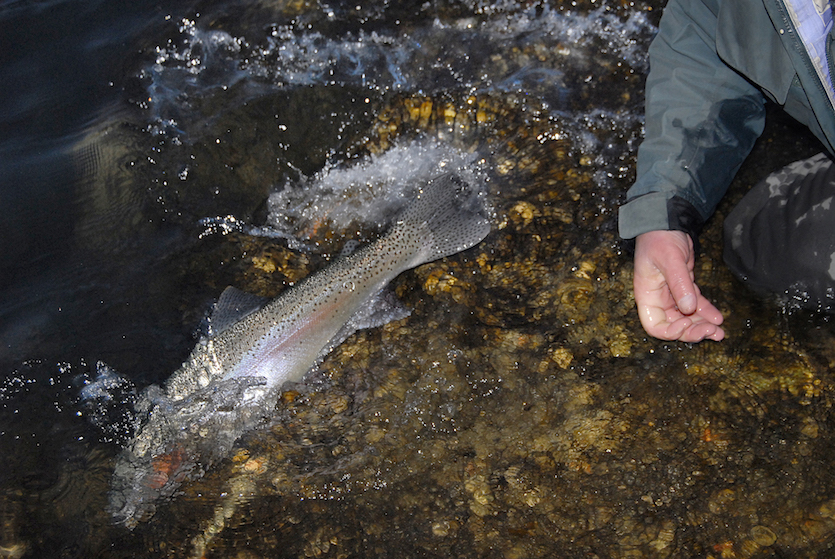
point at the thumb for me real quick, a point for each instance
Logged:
(678, 273)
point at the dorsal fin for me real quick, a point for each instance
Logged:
(232, 306)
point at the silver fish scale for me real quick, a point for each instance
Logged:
(231, 379)
(435, 225)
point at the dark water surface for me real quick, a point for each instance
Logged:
(67, 72)
(153, 153)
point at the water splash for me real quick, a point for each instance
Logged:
(348, 198)
(107, 401)
(532, 51)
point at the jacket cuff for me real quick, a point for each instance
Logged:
(642, 214)
(657, 211)
(685, 217)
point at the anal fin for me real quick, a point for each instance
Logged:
(382, 308)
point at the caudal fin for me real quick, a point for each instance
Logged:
(447, 216)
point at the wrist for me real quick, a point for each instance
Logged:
(658, 212)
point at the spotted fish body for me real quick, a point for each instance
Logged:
(231, 380)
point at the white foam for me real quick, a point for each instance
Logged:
(528, 50)
(530, 53)
(364, 194)
(106, 382)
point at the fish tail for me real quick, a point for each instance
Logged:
(446, 217)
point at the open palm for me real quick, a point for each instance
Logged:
(670, 305)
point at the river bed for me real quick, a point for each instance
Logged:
(519, 411)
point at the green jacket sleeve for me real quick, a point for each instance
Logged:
(702, 119)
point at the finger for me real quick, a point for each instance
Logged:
(682, 287)
(678, 329)
(717, 336)
(703, 331)
(709, 312)
(672, 325)
(664, 324)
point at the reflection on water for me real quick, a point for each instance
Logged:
(518, 412)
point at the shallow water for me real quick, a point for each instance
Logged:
(152, 155)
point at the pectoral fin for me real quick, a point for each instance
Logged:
(381, 309)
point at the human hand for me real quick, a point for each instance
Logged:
(670, 305)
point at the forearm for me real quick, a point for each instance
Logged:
(702, 119)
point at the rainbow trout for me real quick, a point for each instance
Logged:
(231, 381)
